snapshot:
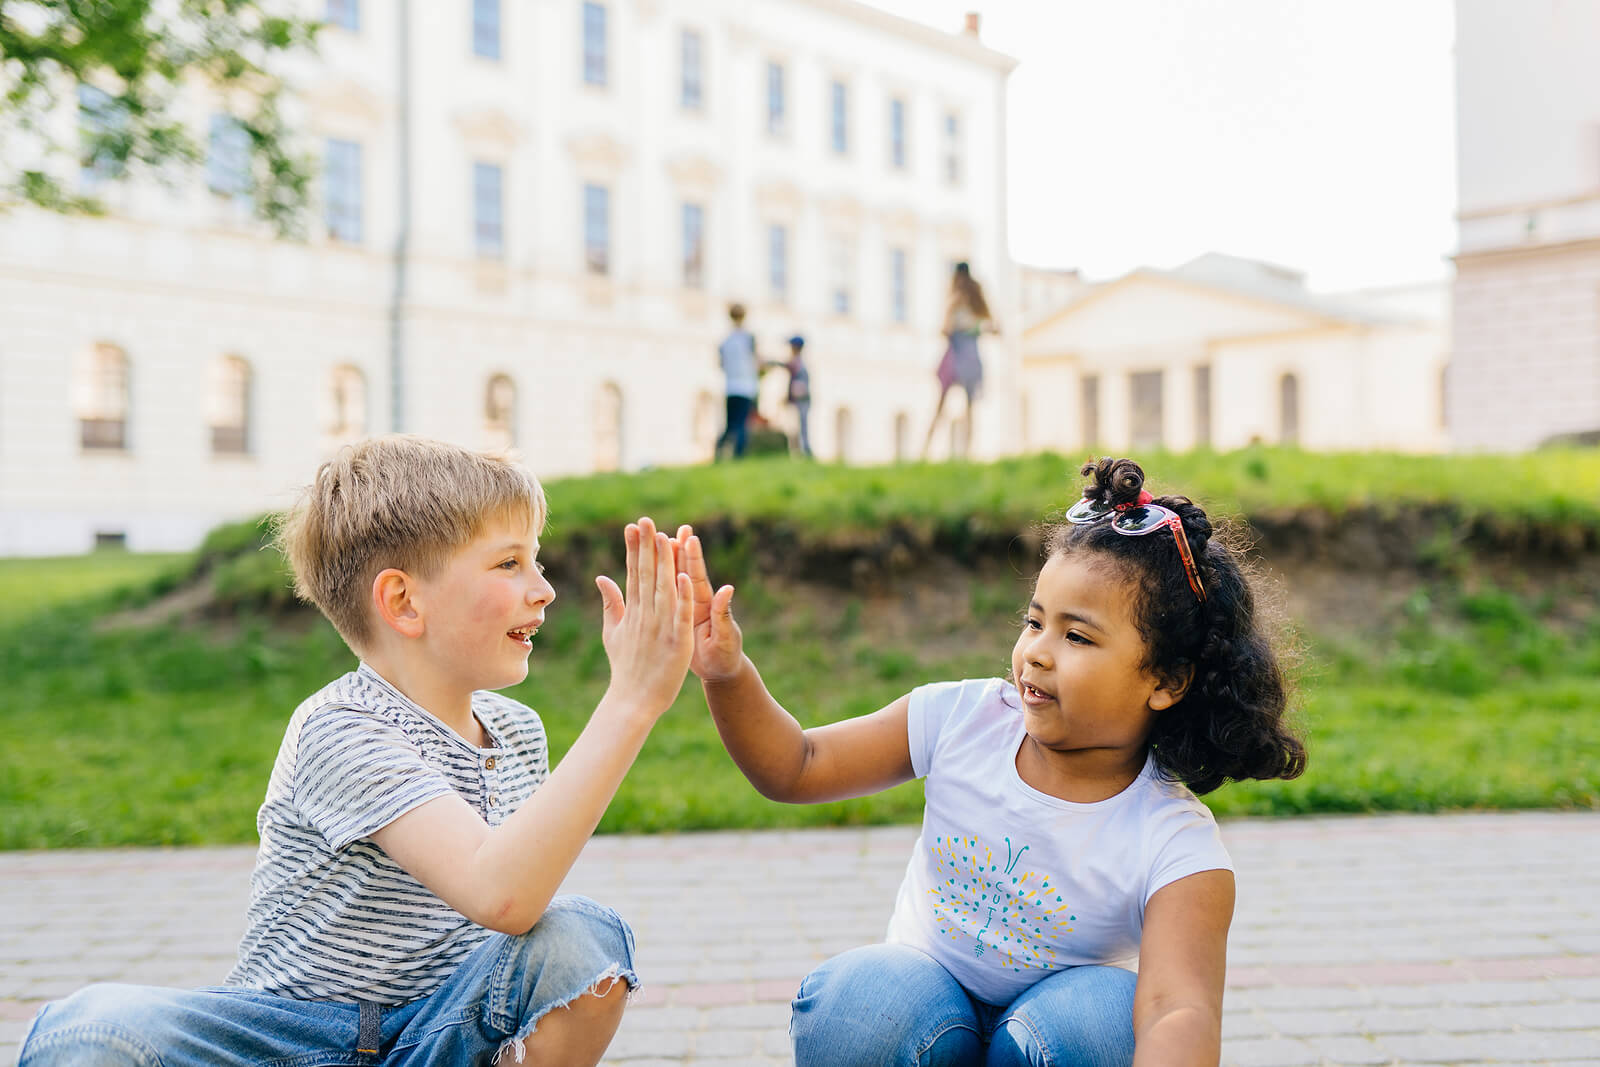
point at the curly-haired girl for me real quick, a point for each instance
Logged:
(1061, 834)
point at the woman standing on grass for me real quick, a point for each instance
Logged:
(1061, 833)
(965, 317)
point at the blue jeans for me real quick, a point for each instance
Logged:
(493, 1001)
(738, 429)
(893, 1006)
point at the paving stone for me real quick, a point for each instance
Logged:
(1269, 1052)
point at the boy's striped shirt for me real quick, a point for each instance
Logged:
(331, 917)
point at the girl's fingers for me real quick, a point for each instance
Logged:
(685, 618)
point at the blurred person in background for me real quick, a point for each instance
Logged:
(965, 317)
(741, 370)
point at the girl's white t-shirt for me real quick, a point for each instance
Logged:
(1008, 884)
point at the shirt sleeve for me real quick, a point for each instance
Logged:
(355, 774)
(1191, 844)
(932, 708)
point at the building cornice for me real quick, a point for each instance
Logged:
(1523, 207)
(1527, 251)
(959, 45)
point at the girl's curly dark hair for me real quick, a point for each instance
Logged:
(1230, 723)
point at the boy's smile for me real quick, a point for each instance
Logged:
(485, 605)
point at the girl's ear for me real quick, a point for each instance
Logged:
(393, 598)
(1170, 690)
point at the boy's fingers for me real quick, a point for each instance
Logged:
(666, 573)
(630, 539)
(722, 613)
(647, 561)
(697, 568)
(685, 605)
(610, 601)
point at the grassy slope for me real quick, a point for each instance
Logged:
(165, 732)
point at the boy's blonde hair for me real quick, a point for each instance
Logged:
(395, 501)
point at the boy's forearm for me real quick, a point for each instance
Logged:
(529, 855)
(765, 741)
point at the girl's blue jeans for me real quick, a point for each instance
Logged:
(893, 1006)
(493, 1001)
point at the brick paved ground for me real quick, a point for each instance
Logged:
(1470, 939)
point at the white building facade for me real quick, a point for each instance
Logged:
(534, 246)
(1224, 352)
(1526, 367)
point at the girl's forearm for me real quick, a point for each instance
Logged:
(765, 741)
(1185, 1036)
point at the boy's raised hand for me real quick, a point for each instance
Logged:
(649, 635)
(718, 643)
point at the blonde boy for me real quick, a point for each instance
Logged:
(403, 907)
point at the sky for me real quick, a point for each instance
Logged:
(1316, 134)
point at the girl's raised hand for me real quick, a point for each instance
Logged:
(718, 643)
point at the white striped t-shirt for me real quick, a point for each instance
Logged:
(331, 916)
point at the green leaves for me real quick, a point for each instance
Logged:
(126, 64)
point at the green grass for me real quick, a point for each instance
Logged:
(1465, 696)
(31, 585)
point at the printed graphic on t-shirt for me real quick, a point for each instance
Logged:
(1009, 910)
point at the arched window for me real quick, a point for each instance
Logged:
(841, 435)
(902, 437)
(608, 428)
(347, 396)
(707, 410)
(228, 407)
(500, 412)
(101, 398)
(1289, 409)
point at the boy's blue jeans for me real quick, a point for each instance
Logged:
(884, 1005)
(494, 1000)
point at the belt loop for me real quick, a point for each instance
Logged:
(370, 1034)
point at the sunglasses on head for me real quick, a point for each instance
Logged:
(1136, 520)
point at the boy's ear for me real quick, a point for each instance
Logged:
(393, 598)
(1170, 690)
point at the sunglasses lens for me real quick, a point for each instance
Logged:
(1140, 520)
(1087, 511)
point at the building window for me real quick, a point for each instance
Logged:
(902, 437)
(952, 148)
(341, 185)
(778, 263)
(228, 157)
(488, 221)
(608, 428)
(594, 43)
(1089, 403)
(102, 399)
(347, 398)
(597, 229)
(500, 412)
(839, 117)
(775, 98)
(102, 123)
(841, 270)
(694, 246)
(690, 81)
(897, 285)
(1202, 405)
(229, 414)
(346, 14)
(842, 428)
(486, 28)
(1144, 388)
(897, 133)
(1289, 409)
